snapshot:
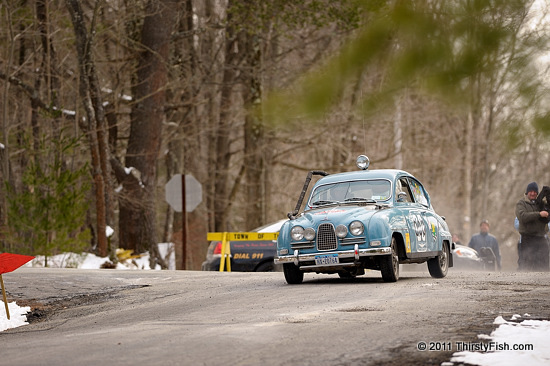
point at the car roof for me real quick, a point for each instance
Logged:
(389, 174)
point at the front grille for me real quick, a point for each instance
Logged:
(326, 238)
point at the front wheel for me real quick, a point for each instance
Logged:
(293, 275)
(389, 264)
(439, 266)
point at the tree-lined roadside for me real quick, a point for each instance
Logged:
(120, 96)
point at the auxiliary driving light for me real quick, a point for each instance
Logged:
(341, 231)
(362, 162)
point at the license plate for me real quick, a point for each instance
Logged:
(326, 259)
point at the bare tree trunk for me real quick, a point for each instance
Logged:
(468, 167)
(4, 148)
(220, 155)
(138, 229)
(95, 116)
(254, 142)
(203, 50)
(487, 157)
(398, 132)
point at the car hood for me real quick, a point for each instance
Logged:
(338, 214)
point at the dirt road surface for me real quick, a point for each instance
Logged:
(108, 317)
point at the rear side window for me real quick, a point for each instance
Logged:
(419, 193)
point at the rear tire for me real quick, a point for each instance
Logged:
(293, 275)
(389, 264)
(439, 266)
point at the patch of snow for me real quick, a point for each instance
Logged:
(512, 343)
(18, 316)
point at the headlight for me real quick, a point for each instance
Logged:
(341, 231)
(297, 233)
(309, 233)
(356, 228)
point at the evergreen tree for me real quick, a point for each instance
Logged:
(48, 216)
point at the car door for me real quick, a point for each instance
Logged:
(416, 235)
(425, 221)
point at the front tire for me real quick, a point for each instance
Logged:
(293, 275)
(389, 264)
(439, 266)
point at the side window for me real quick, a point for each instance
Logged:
(418, 192)
(403, 187)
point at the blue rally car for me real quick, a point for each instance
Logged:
(367, 219)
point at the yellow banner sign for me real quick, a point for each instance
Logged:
(242, 236)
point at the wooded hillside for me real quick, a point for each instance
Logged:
(102, 102)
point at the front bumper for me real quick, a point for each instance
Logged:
(355, 254)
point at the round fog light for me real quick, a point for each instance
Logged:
(309, 233)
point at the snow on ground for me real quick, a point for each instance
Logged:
(18, 316)
(88, 261)
(92, 261)
(513, 343)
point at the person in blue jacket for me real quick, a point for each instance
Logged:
(485, 240)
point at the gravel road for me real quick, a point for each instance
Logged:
(91, 317)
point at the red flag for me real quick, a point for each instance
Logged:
(10, 262)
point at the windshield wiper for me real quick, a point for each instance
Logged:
(367, 200)
(321, 203)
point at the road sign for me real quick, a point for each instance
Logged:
(174, 192)
(242, 236)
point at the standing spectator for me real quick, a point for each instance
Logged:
(533, 226)
(485, 240)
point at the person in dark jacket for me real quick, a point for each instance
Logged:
(533, 227)
(485, 240)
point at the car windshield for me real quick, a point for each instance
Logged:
(375, 190)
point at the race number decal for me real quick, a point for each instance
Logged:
(419, 228)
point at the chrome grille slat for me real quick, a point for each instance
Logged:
(301, 246)
(326, 237)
